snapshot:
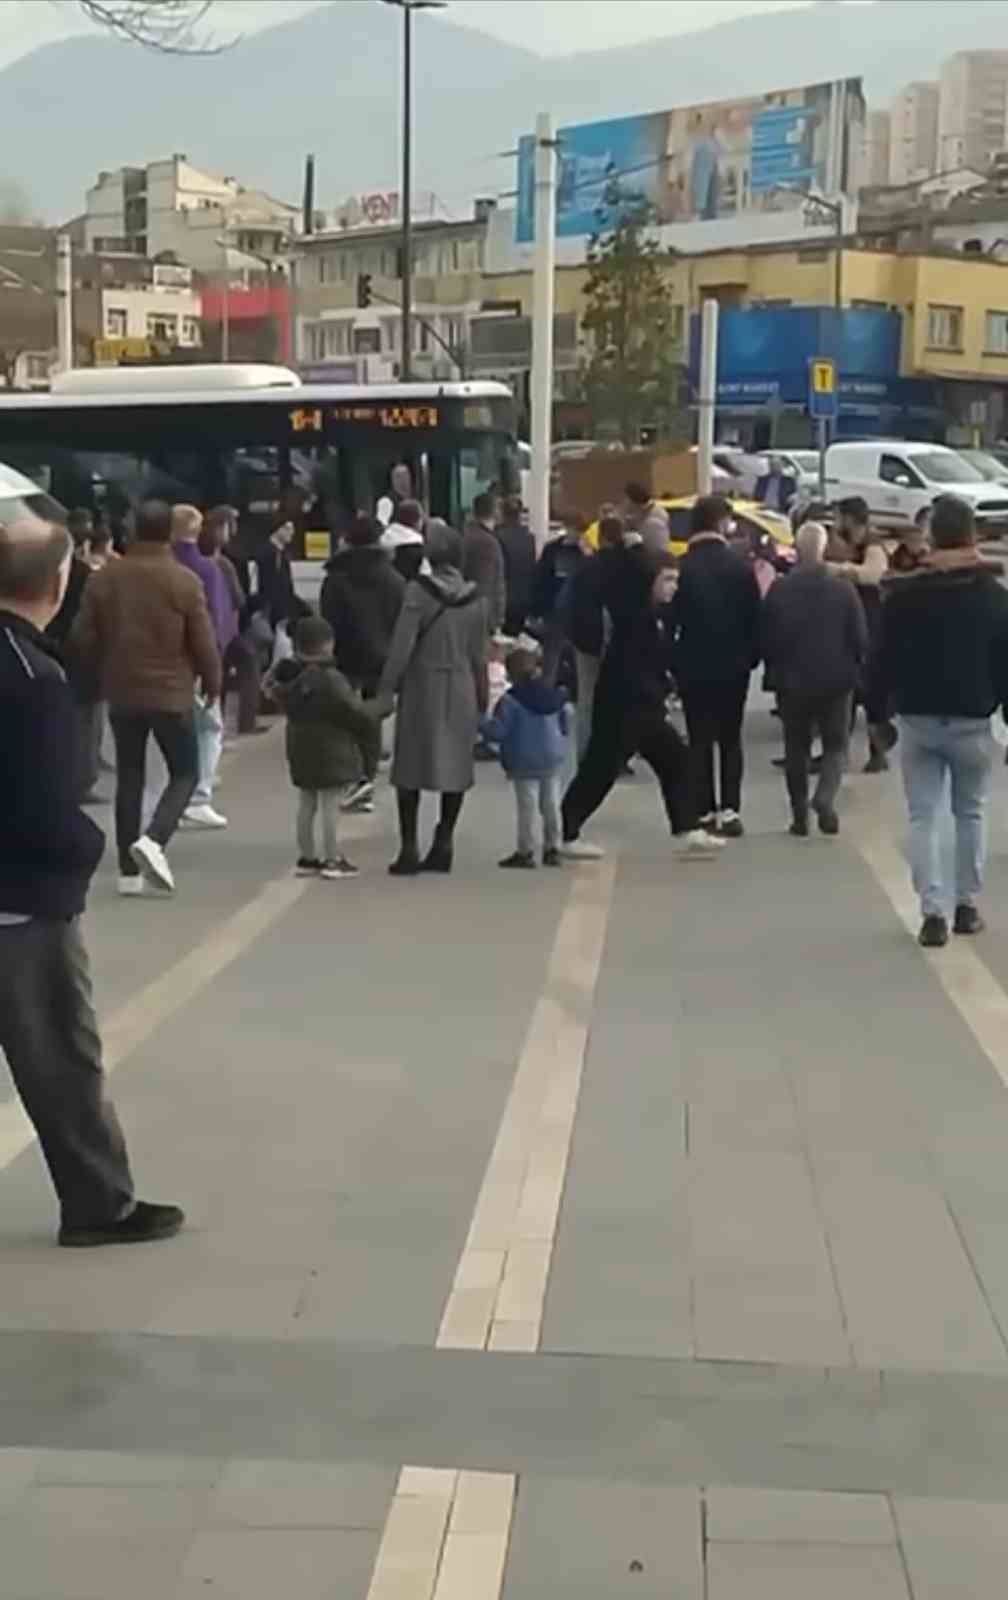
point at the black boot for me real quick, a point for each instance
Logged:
(441, 856)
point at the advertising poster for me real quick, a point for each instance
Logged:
(708, 163)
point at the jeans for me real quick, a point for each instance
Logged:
(210, 744)
(802, 715)
(49, 1035)
(714, 717)
(544, 795)
(616, 735)
(588, 668)
(324, 802)
(962, 749)
(175, 736)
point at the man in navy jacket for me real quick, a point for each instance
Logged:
(49, 850)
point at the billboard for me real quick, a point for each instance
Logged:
(720, 162)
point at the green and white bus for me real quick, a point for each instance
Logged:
(259, 439)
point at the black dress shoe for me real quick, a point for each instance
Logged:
(552, 858)
(876, 762)
(829, 822)
(440, 858)
(968, 920)
(520, 862)
(799, 828)
(934, 934)
(406, 865)
(144, 1224)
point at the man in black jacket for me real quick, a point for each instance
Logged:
(816, 645)
(361, 599)
(515, 538)
(943, 660)
(716, 619)
(48, 852)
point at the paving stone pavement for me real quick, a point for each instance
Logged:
(747, 1157)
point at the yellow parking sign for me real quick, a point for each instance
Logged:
(823, 376)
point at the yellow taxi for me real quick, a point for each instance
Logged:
(754, 524)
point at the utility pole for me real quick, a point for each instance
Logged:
(707, 397)
(64, 303)
(407, 7)
(543, 296)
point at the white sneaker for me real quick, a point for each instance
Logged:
(581, 850)
(151, 860)
(203, 817)
(132, 888)
(356, 794)
(697, 846)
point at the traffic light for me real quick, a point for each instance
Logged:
(364, 291)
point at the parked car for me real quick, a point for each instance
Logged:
(900, 479)
(988, 465)
(753, 523)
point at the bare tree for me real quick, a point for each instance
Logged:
(174, 27)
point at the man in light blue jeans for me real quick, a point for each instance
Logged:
(943, 661)
(960, 750)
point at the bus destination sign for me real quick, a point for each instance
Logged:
(312, 419)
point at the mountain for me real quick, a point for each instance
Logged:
(329, 81)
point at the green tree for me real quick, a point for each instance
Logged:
(633, 375)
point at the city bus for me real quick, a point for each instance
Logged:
(259, 439)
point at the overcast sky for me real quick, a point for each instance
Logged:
(545, 25)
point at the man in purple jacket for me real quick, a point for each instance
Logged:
(187, 523)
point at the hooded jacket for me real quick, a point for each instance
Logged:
(326, 720)
(943, 647)
(361, 600)
(49, 848)
(716, 614)
(530, 726)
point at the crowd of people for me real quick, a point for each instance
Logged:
(564, 665)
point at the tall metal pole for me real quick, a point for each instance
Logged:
(707, 397)
(64, 303)
(406, 365)
(225, 338)
(543, 293)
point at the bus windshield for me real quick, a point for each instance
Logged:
(316, 456)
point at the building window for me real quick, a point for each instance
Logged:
(190, 330)
(323, 269)
(945, 327)
(996, 340)
(337, 338)
(115, 322)
(391, 337)
(161, 326)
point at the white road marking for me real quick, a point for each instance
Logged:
(497, 1298)
(140, 1018)
(967, 980)
(446, 1536)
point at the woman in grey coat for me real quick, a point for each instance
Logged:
(437, 666)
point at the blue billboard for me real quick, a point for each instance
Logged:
(719, 162)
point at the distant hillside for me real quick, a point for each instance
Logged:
(329, 82)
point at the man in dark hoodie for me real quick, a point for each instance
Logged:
(943, 660)
(48, 853)
(630, 711)
(361, 599)
(716, 618)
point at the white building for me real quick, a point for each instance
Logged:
(878, 142)
(166, 311)
(914, 134)
(171, 206)
(973, 108)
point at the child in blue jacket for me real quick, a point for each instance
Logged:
(530, 727)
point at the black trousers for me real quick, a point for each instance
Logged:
(802, 716)
(617, 735)
(714, 717)
(49, 1035)
(174, 733)
(89, 732)
(241, 663)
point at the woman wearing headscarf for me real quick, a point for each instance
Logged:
(437, 669)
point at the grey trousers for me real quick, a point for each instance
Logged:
(326, 802)
(544, 795)
(802, 716)
(49, 1034)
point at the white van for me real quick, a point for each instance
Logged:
(900, 480)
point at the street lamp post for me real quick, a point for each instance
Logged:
(407, 7)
